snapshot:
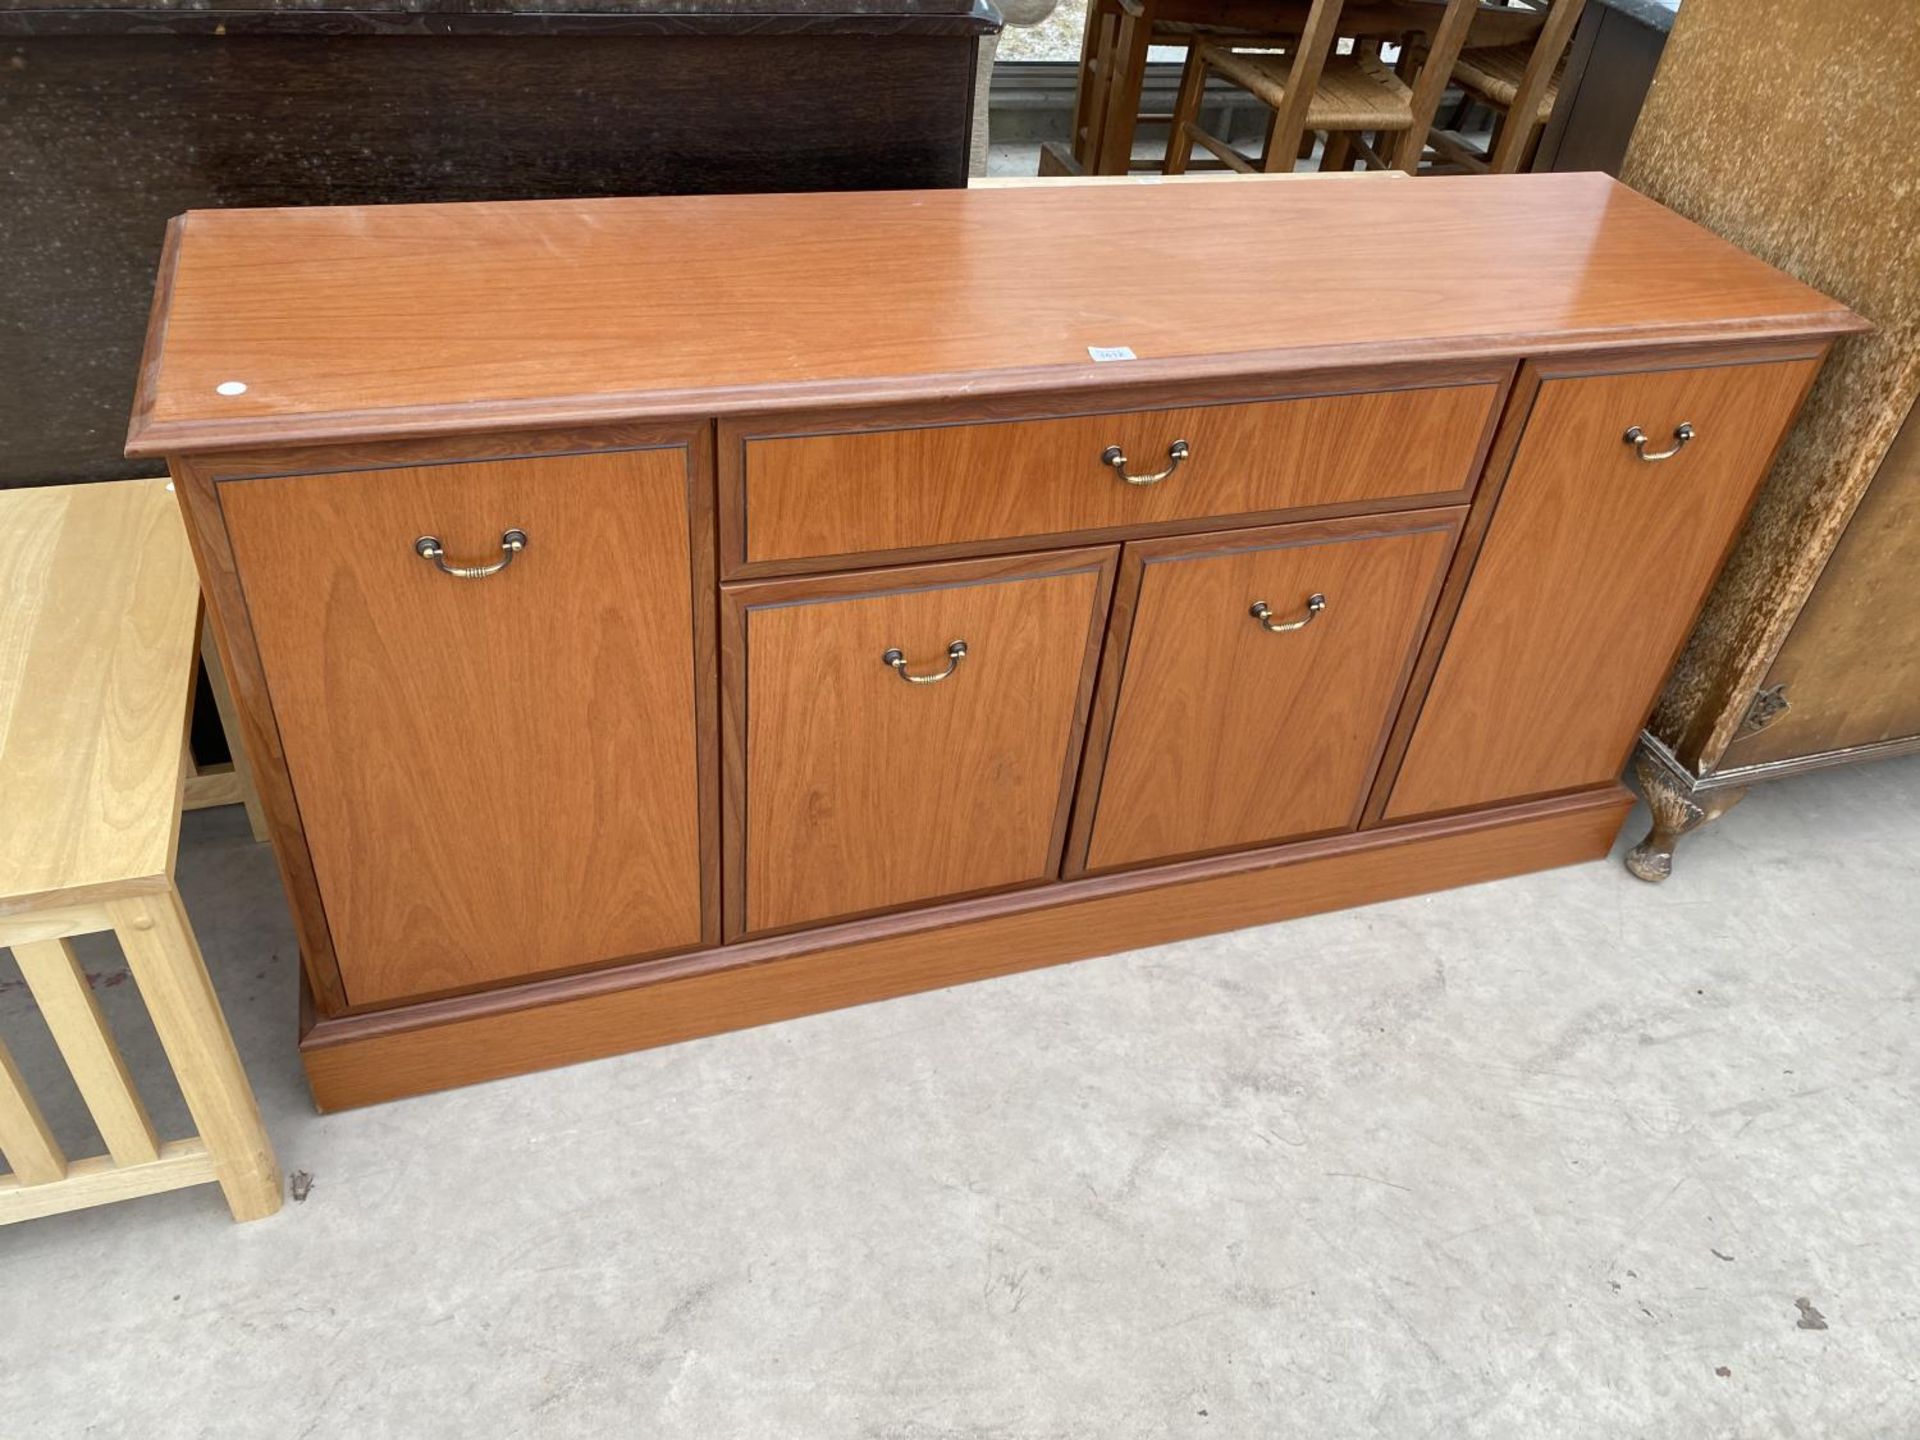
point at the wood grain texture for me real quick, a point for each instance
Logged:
(1592, 572)
(1227, 735)
(495, 777)
(67, 1004)
(367, 1060)
(734, 433)
(26, 1143)
(1851, 663)
(97, 607)
(863, 792)
(165, 960)
(1722, 139)
(360, 321)
(239, 768)
(823, 495)
(97, 1180)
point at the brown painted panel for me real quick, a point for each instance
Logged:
(497, 777)
(1228, 735)
(839, 494)
(1851, 663)
(1592, 572)
(864, 792)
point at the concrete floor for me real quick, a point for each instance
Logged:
(1565, 1155)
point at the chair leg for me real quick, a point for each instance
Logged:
(1186, 113)
(167, 966)
(1086, 98)
(1512, 146)
(1114, 153)
(1339, 152)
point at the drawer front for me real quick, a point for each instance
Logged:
(856, 790)
(805, 497)
(1592, 572)
(1234, 730)
(497, 776)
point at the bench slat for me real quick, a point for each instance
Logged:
(72, 1013)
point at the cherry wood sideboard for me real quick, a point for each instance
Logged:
(653, 617)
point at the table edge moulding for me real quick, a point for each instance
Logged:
(654, 617)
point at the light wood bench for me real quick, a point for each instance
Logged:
(99, 619)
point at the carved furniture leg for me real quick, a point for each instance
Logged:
(1675, 813)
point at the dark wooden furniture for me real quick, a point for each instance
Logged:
(1119, 33)
(1360, 104)
(827, 624)
(1519, 84)
(1808, 654)
(115, 118)
(1616, 49)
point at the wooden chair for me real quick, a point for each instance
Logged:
(1113, 61)
(1310, 89)
(1118, 34)
(1520, 84)
(97, 651)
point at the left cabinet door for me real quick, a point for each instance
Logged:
(497, 773)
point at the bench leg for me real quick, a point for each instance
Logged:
(230, 726)
(166, 964)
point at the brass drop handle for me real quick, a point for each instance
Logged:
(1637, 438)
(1114, 456)
(1315, 604)
(512, 542)
(956, 652)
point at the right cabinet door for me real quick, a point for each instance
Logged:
(1257, 681)
(1624, 494)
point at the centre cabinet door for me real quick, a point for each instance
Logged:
(1251, 691)
(903, 735)
(496, 770)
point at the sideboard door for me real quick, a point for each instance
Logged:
(1598, 558)
(1234, 729)
(496, 774)
(907, 735)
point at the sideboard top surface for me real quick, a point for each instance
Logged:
(374, 321)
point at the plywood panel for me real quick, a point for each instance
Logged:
(1851, 664)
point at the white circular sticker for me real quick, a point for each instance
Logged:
(231, 387)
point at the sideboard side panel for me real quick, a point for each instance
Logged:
(194, 486)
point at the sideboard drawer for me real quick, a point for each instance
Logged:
(904, 735)
(496, 775)
(811, 497)
(1234, 728)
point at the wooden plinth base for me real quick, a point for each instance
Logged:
(366, 1059)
